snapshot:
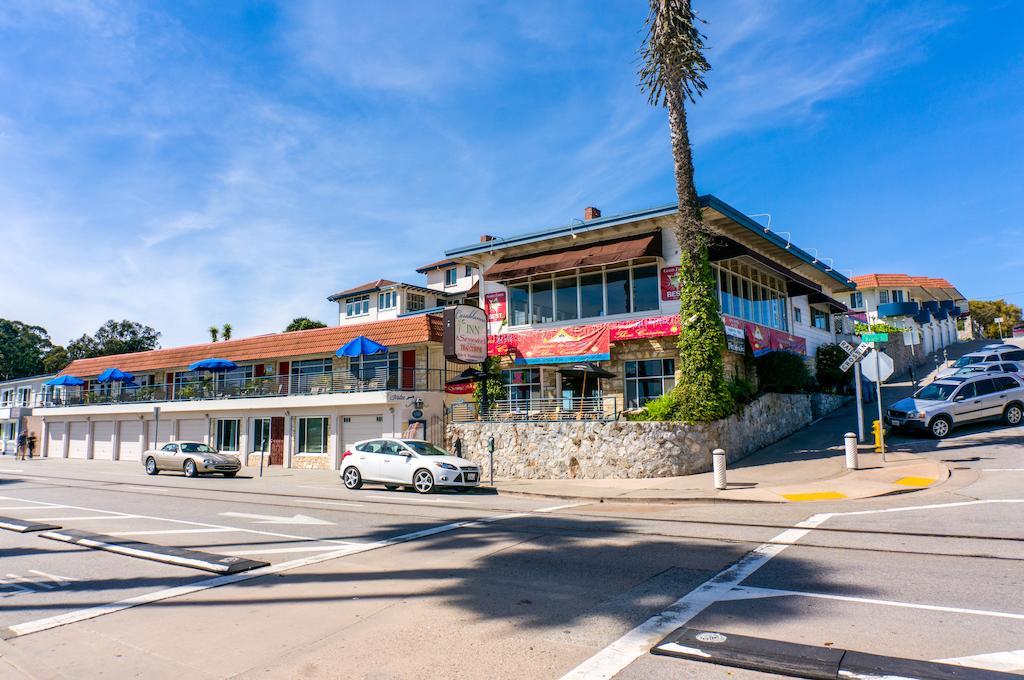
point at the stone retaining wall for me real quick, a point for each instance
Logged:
(623, 450)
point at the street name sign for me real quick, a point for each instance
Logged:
(877, 366)
(875, 337)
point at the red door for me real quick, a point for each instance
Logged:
(277, 441)
(408, 369)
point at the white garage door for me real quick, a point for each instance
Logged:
(77, 434)
(356, 428)
(162, 437)
(192, 430)
(131, 430)
(55, 440)
(102, 446)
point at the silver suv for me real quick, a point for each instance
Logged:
(1004, 353)
(939, 407)
(992, 367)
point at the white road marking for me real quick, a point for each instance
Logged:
(1002, 469)
(17, 589)
(31, 507)
(7, 472)
(744, 592)
(82, 518)
(276, 519)
(281, 551)
(418, 500)
(156, 596)
(676, 647)
(160, 532)
(61, 580)
(354, 505)
(30, 581)
(634, 644)
(935, 506)
(553, 508)
(1007, 662)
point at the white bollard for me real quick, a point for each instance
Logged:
(852, 462)
(718, 463)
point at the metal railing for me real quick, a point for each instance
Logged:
(536, 410)
(227, 387)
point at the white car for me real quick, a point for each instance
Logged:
(406, 462)
(1008, 353)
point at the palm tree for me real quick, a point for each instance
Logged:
(214, 332)
(226, 331)
(672, 72)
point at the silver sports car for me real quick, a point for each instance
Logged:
(192, 458)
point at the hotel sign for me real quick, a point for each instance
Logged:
(669, 284)
(465, 334)
(496, 307)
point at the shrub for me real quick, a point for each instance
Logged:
(742, 390)
(783, 372)
(830, 377)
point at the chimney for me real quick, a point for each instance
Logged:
(484, 238)
(591, 213)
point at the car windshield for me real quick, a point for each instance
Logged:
(966, 361)
(936, 392)
(971, 369)
(426, 449)
(196, 448)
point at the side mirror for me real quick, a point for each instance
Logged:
(958, 398)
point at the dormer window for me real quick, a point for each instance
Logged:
(450, 277)
(357, 306)
(387, 300)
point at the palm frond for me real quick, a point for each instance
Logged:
(672, 56)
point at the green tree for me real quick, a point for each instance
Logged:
(672, 72)
(303, 323)
(491, 388)
(827, 362)
(114, 337)
(214, 332)
(985, 312)
(22, 348)
(225, 332)
(56, 359)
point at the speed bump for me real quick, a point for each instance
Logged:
(24, 526)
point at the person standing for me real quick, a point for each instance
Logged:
(31, 444)
(22, 445)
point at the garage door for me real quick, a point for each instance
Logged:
(77, 435)
(163, 436)
(131, 430)
(192, 430)
(55, 440)
(356, 428)
(102, 446)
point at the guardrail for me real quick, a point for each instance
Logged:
(227, 387)
(536, 410)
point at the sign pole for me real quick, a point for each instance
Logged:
(878, 389)
(860, 402)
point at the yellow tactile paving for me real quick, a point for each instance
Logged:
(916, 481)
(814, 496)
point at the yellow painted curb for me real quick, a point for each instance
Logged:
(814, 496)
(916, 481)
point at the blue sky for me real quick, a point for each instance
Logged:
(193, 163)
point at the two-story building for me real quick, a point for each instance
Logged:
(17, 399)
(447, 283)
(290, 397)
(604, 290)
(927, 307)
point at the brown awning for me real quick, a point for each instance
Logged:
(606, 252)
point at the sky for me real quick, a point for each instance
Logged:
(184, 164)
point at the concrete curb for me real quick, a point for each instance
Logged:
(807, 661)
(24, 527)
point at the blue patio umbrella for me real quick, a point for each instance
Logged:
(214, 365)
(66, 381)
(114, 375)
(361, 346)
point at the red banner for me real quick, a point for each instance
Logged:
(781, 340)
(496, 306)
(669, 284)
(464, 388)
(638, 329)
(552, 346)
(763, 339)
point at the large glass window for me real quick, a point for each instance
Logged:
(897, 296)
(227, 435)
(542, 303)
(414, 302)
(591, 295)
(647, 380)
(232, 382)
(260, 434)
(382, 367)
(646, 295)
(751, 294)
(819, 319)
(617, 283)
(24, 396)
(856, 300)
(522, 384)
(519, 304)
(567, 306)
(309, 373)
(312, 435)
(387, 300)
(357, 306)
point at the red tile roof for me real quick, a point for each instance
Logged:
(364, 288)
(393, 333)
(879, 280)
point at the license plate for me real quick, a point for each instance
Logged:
(470, 476)
(897, 423)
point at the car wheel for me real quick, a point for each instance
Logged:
(230, 474)
(423, 481)
(190, 468)
(352, 479)
(941, 427)
(391, 487)
(1014, 414)
(151, 468)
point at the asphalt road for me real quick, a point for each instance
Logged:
(380, 584)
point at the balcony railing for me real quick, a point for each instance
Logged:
(226, 387)
(536, 410)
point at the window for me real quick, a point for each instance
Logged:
(966, 392)
(387, 300)
(357, 306)
(819, 319)
(24, 396)
(170, 448)
(798, 315)
(414, 302)
(260, 434)
(450, 277)
(522, 384)
(856, 300)
(309, 373)
(897, 296)
(883, 297)
(647, 380)
(227, 435)
(567, 306)
(591, 295)
(542, 304)
(519, 304)
(6, 397)
(751, 294)
(312, 435)
(1014, 355)
(375, 367)
(617, 287)
(1005, 382)
(232, 382)
(469, 270)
